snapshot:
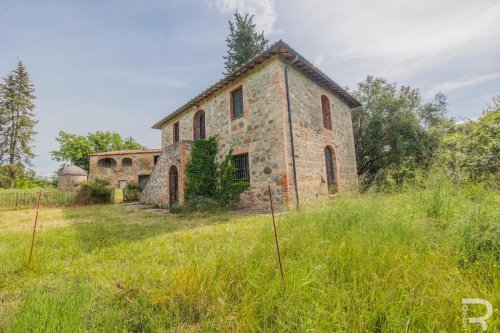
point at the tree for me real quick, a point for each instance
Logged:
(243, 42)
(393, 128)
(75, 149)
(471, 152)
(17, 120)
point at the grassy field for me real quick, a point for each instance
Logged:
(373, 263)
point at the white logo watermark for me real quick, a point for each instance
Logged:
(475, 320)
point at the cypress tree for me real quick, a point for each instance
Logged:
(17, 119)
(243, 42)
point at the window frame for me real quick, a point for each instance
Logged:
(176, 132)
(244, 171)
(240, 87)
(327, 114)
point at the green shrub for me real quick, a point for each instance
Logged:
(94, 191)
(481, 237)
(132, 192)
(229, 188)
(209, 183)
(201, 171)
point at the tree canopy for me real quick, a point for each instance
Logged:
(393, 127)
(243, 42)
(75, 149)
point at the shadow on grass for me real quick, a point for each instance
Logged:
(102, 226)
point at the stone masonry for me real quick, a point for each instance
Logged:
(123, 167)
(263, 133)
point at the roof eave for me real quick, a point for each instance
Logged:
(283, 50)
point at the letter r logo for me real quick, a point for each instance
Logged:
(480, 320)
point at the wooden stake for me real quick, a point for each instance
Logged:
(276, 238)
(34, 226)
(17, 198)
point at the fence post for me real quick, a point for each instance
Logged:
(34, 226)
(17, 198)
(276, 237)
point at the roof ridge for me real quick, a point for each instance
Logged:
(273, 50)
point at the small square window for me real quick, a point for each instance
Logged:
(237, 103)
(176, 132)
(242, 167)
(155, 159)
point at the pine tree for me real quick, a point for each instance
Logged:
(17, 119)
(243, 42)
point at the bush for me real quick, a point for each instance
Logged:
(132, 193)
(210, 184)
(481, 237)
(94, 191)
(201, 170)
(228, 188)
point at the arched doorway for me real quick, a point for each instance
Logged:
(199, 125)
(173, 185)
(330, 169)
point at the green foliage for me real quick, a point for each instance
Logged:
(132, 192)
(209, 181)
(17, 120)
(471, 152)
(228, 188)
(201, 171)
(9, 173)
(393, 128)
(243, 42)
(94, 192)
(75, 149)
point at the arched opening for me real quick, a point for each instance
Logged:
(327, 114)
(127, 162)
(173, 185)
(199, 125)
(331, 180)
(106, 163)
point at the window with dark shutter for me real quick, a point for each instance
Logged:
(242, 167)
(176, 132)
(237, 103)
(327, 114)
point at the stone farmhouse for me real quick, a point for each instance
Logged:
(289, 126)
(123, 167)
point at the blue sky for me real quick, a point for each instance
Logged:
(121, 65)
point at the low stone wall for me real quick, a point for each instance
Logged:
(156, 190)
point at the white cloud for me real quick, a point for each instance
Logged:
(394, 38)
(463, 82)
(264, 11)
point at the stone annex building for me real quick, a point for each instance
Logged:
(123, 167)
(289, 126)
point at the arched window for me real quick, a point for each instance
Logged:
(327, 114)
(127, 162)
(106, 163)
(199, 125)
(330, 170)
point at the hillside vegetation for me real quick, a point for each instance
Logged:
(377, 263)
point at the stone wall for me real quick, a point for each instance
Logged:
(311, 137)
(157, 189)
(263, 133)
(259, 132)
(142, 164)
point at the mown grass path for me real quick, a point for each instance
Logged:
(375, 263)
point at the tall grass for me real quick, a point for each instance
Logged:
(373, 263)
